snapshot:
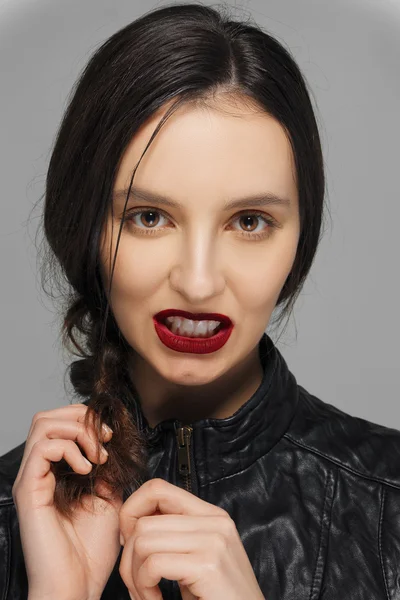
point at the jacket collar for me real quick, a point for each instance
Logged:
(224, 446)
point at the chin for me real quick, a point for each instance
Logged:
(190, 376)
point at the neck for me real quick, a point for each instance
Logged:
(160, 399)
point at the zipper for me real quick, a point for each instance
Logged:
(186, 471)
(185, 456)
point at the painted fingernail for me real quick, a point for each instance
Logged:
(106, 428)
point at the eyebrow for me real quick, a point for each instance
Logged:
(264, 199)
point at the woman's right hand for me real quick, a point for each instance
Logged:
(63, 559)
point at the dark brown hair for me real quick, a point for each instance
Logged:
(189, 53)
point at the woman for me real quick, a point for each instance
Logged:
(224, 478)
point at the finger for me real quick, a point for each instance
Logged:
(51, 428)
(200, 543)
(86, 437)
(36, 486)
(184, 568)
(182, 542)
(70, 411)
(125, 570)
(142, 547)
(186, 594)
(183, 523)
(158, 494)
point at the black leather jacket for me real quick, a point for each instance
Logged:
(314, 493)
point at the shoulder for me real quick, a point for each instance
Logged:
(357, 445)
(9, 467)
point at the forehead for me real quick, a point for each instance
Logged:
(206, 151)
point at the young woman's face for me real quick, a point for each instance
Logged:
(196, 256)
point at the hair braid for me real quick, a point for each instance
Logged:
(101, 377)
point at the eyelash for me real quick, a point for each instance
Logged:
(273, 224)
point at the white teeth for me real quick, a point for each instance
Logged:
(175, 324)
(201, 328)
(191, 328)
(187, 325)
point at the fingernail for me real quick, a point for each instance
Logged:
(121, 540)
(106, 428)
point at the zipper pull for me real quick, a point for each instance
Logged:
(183, 438)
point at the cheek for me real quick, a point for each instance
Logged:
(261, 293)
(137, 274)
(258, 282)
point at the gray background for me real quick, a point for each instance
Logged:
(342, 344)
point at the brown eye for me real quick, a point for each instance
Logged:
(145, 221)
(249, 221)
(149, 218)
(248, 225)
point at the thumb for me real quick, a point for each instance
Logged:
(186, 593)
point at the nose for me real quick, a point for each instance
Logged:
(197, 271)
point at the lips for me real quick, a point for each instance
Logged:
(172, 312)
(193, 345)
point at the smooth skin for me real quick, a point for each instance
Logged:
(63, 560)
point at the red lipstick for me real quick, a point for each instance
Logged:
(198, 345)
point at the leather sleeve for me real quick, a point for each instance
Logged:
(389, 540)
(4, 551)
(13, 578)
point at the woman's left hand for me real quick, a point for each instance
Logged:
(171, 533)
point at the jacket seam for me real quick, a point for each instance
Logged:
(340, 464)
(383, 495)
(242, 468)
(326, 519)
(320, 537)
